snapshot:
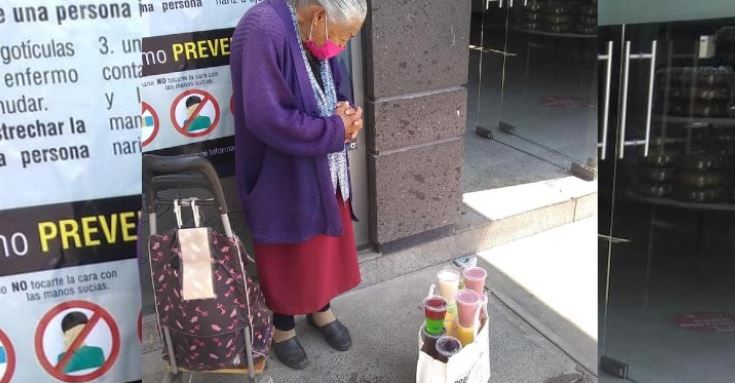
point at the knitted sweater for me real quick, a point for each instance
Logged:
(281, 143)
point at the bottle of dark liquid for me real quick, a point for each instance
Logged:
(429, 346)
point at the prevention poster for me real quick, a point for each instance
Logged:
(70, 194)
(186, 89)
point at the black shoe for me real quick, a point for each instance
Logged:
(335, 333)
(291, 354)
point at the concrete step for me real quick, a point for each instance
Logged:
(491, 218)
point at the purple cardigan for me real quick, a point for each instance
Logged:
(281, 143)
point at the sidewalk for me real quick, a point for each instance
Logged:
(550, 280)
(386, 351)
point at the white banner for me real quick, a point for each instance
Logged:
(187, 91)
(70, 194)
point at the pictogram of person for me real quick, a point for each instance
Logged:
(198, 123)
(84, 357)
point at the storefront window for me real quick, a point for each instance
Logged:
(666, 201)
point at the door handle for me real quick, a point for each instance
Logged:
(487, 3)
(607, 58)
(626, 80)
(491, 50)
(613, 239)
(651, 84)
(624, 111)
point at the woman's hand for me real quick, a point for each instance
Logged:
(352, 119)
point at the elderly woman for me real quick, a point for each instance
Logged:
(292, 128)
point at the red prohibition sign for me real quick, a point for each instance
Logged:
(206, 98)
(10, 353)
(156, 123)
(98, 313)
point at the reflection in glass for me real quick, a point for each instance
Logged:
(668, 203)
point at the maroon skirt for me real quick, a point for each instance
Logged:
(302, 278)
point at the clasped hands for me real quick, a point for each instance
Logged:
(352, 119)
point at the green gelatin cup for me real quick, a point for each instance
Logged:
(434, 326)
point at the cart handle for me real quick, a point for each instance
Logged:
(178, 181)
(154, 165)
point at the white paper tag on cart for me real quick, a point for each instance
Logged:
(196, 261)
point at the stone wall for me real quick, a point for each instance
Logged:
(416, 56)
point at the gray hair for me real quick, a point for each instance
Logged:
(339, 11)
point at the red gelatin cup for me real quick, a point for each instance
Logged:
(435, 307)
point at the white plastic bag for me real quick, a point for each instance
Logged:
(470, 365)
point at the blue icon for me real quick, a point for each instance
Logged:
(3, 355)
(149, 121)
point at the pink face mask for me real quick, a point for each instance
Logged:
(325, 52)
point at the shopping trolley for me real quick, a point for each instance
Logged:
(170, 174)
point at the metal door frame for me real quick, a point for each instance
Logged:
(358, 156)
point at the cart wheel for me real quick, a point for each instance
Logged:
(173, 378)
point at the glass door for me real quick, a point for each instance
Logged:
(550, 93)
(669, 313)
(488, 57)
(485, 97)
